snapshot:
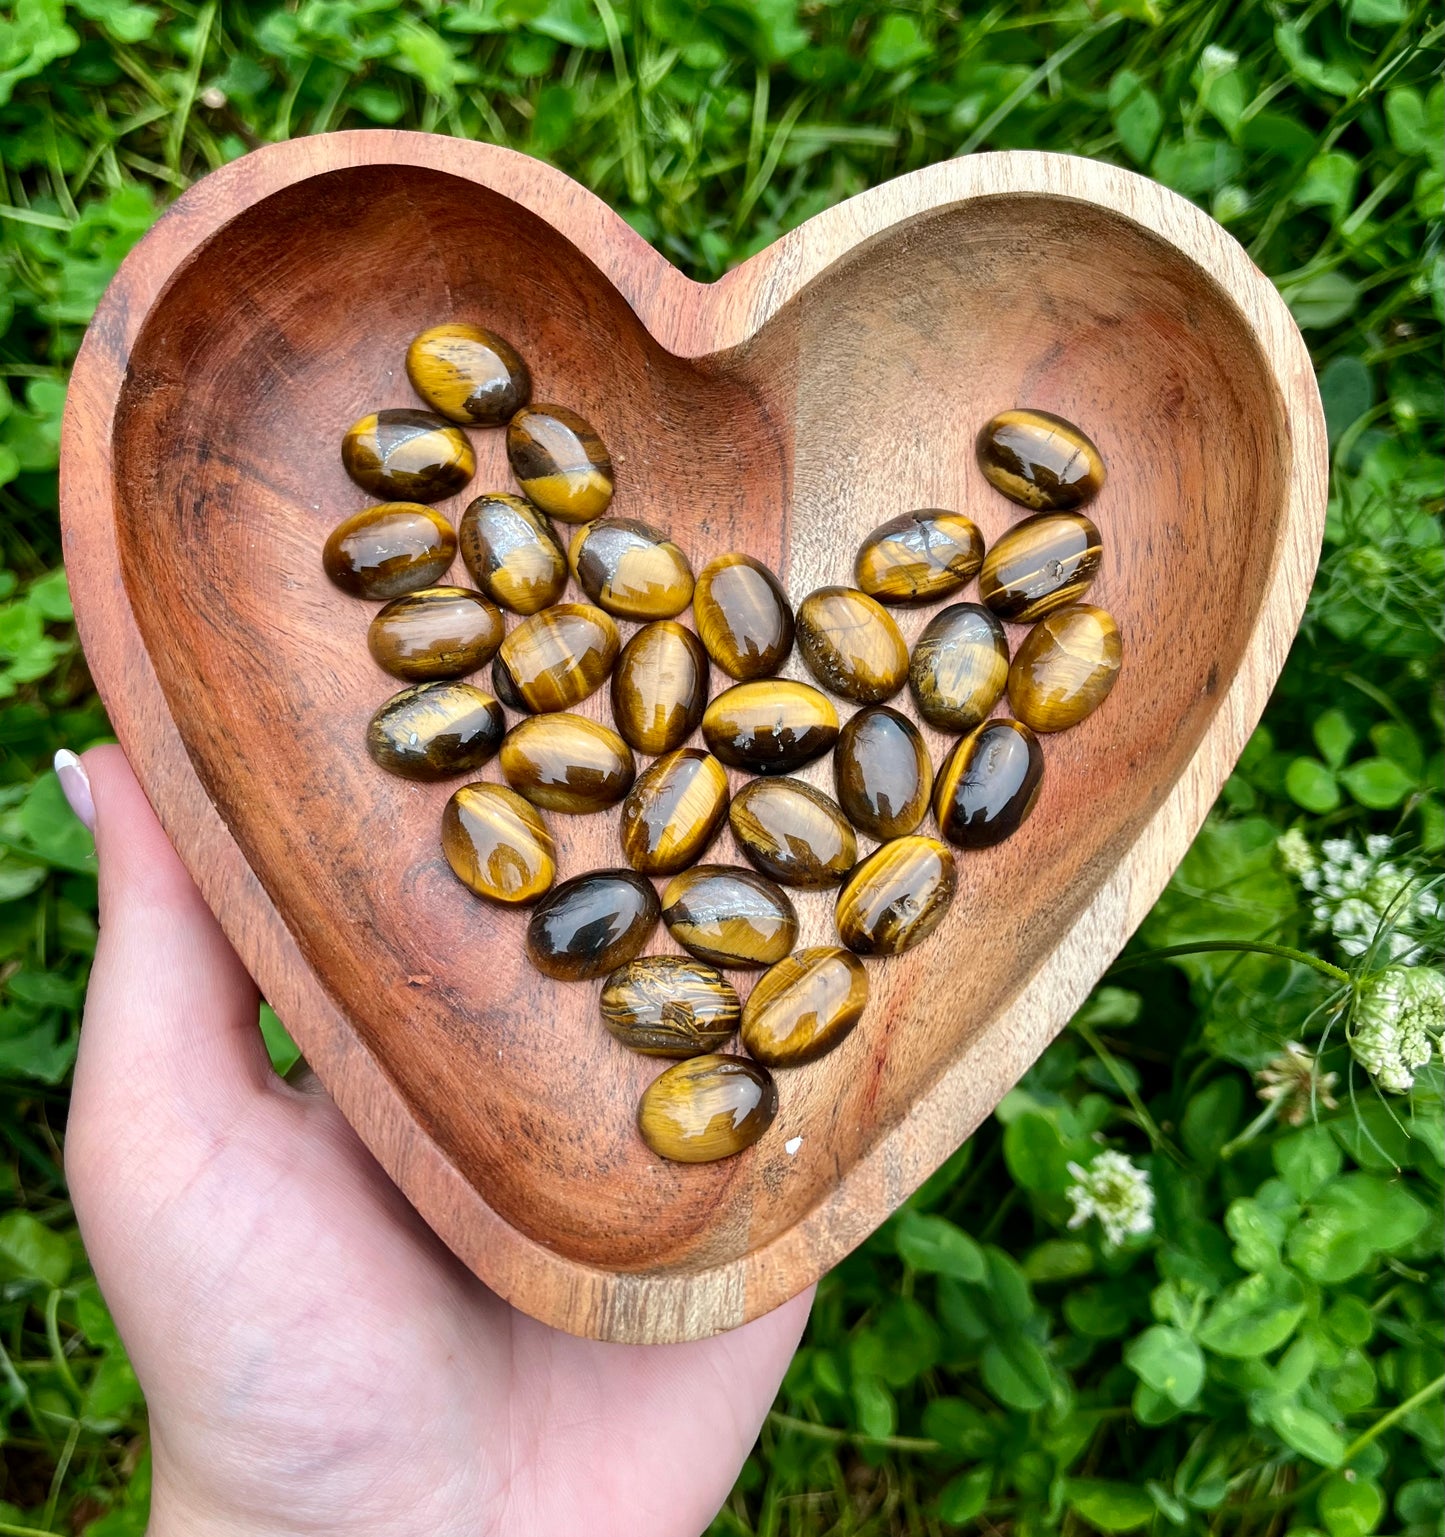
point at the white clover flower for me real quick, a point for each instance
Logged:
(1398, 1021)
(1296, 853)
(1115, 1192)
(1293, 1081)
(1361, 897)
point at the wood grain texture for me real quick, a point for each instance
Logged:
(830, 383)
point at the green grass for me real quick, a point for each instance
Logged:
(979, 1365)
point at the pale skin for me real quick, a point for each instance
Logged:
(314, 1360)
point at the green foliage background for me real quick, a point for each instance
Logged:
(1268, 1359)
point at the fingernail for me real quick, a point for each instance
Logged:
(75, 784)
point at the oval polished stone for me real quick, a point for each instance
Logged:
(1039, 460)
(591, 925)
(560, 462)
(959, 667)
(793, 833)
(468, 374)
(729, 916)
(512, 553)
(897, 896)
(566, 763)
(497, 845)
(804, 1006)
(988, 784)
(743, 616)
(707, 1108)
(659, 687)
(669, 1006)
(852, 645)
(631, 569)
(559, 656)
(919, 557)
(384, 551)
(673, 811)
(439, 632)
(436, 731)
(882, 773)
(1042, 564)
(771, 727)
(413, 456)
(1065, 668)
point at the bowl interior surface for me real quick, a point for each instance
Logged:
(860, 399)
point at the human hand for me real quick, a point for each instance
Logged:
(314, 1359)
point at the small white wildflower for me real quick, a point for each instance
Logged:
(1293, 1081)
(1398, 1020)
(1361, 898)
(1115, 1192)
(1296, 853)
(1216, 60)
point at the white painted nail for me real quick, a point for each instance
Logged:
(75, 784)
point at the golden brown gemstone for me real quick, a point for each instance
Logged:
(436, 731)
(560, 462)
(707, 1108)
(1042, 564)
(804, 1006)
(591, 925)
(771, 727)
(659, 687)
(384, 551)
(988, 784)
(512, 553)
(439, 632)
(793, 833)
(729, 916)
(959, 667)
(410, 455)
(497, 845)
(882, 773)
(743, 616)
(631, 569)
(566, 763)
(673, 811)
(851, 644)
(669, 1006)
(468, 374)
(919, 557)
(1039, 460)
(897, 896)
(558, 657)
(1065, 667)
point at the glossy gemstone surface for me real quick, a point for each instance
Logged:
(673, 811)
(559, 656)
(591, 925)
(770, 727)
(743, 616)
(566, 763)
(468, 374)
(1039, 460)
(631, 569)
(882, 773)
(512, 553)
(800, 1009)
(1042, 564)
(793, 833)
(384, 551)
(919, 557)
(439, 632)
(729, 916)
(988, 784)
(412, 456)
(1065, 667)
(851, 644)
(436, 731)
(669, 1006)
(659, 686)
(959, 667)
(497, 845)
(707, 1108)
(560, 462)
(897, 896)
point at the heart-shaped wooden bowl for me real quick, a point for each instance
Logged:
(829, 383)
